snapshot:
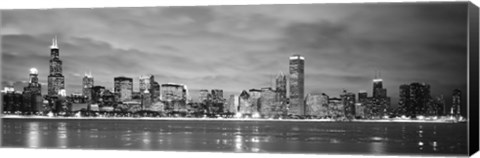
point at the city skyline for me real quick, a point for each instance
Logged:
(341, 52)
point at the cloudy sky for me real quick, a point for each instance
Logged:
(243, 47)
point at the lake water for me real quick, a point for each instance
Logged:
(239, 136)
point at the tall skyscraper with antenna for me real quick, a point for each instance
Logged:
(56, 80)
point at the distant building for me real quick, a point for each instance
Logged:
(174, 96)
(244, 106)
(254, 100)
(156, 91)
(172, 91)
(32, 96)
(203, 95)
(268, 104)
(97, 92)
(359, 110)
(56, 80)
(316, 105)
(12, 101)
(217, 100)
(297, 85)
(281, 87)
(146, 83)
(123, 88)
(348, 100)
(414, 98)
(456, 100)
(362, 96)
(336, 108)
(231, 104)
(146, 100)
(87, 86)
(217, 95)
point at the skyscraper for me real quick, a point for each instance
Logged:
(203, 95)
(123, 88)
(281, 87)
(378, 90)
(414, 98)
(56, 81)
(87, 86)
(456, 100)
(146, 83)
(362, 96)
(348, 100)
(32, 97)
(297, 81)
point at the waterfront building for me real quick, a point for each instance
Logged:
(348, 100)
(456, 100)
(56, 80)
(254, 100)
(97, 92)
(12, 101)
(108, 98)
(231, 104)
(87, 83)
(173, 91)
(336, 108)
(281, 87)
(378, 90)
(414, 98)
(316, 105)
(244, 106)
(146, 100)
(174, 96)
(217, 100)
(203, 95)
(268, 104)
(32, 94)
(156, 91)
(362, 96)
(146, 83)
(359, 110)
(123, 88)
(297, 82)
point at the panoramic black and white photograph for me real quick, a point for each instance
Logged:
(354, 78)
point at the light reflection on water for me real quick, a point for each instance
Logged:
(33, 135)
(374, 138)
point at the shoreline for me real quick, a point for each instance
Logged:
(224, 119)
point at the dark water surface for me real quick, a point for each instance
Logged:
(239, 136)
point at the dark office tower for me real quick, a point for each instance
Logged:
(281, 87)
(378, 90)
(218, 100)
(87, 86)
(56, 81)
(362, 96)
(217, 94)
(123, 88)
(415, 98)
(456, 102)
(404, 100)
(297, 81)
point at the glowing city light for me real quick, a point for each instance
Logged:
(33, 71)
